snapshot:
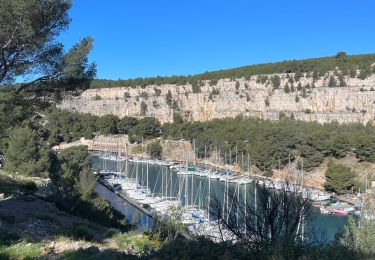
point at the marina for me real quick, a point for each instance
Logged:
(153, 187)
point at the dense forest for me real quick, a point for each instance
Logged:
(353, 65)
(269, 144)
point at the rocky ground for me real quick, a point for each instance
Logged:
(33, 228)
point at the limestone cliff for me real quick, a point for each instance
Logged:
(232, 97)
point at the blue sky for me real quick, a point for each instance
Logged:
(143, 38)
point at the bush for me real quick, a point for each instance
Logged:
(97, 97)
(139, 243)
(144, 95)
(26, 154)
(154, 150)
(339, 178)
(157, 92)
(143, 108)
(275, 80)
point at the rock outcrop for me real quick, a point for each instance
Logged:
(355, 102)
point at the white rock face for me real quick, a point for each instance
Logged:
(353, 103)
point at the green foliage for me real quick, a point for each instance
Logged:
(213, 93)
(262, 79)
(32, 50)
(267, 101)
(339, 178)
(177, 118)
(286, 88)
(195, 86)
(266, 142)
(107, 124)
(342, 82)
(13, 110)
(22, 250)
(139, 243)
(304, 94)
(26, 153)
(74, 188)
(69, 126)
(143, 108)
(126, 95)
(332, 81)
(275, 81)
(16, 186)
(237, 86)
(299, 86)
(74, 173)
(125, 124)
(144, 95)
(364, 72)
(157, 92)
(147, 128)
(168, 98)
(360, 237)
(171, 228)
(154, 150)
(97, 97)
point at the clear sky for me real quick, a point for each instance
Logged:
(143, 38)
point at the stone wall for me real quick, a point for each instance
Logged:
(353, 103)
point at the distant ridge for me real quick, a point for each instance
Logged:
(343, 63)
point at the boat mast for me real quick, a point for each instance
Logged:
(136, 177)
(126, 160)
(166, 182)
(302, 173)
(162, 182)
(192, 177)
(186, 190)
(147, 179)
(170, 174)
(238, 199)
(227, 198)
(225, 186)
(245, 220)
(209, 196)
(255, 204)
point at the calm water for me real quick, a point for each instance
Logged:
(191, 190)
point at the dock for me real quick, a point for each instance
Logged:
(123, 196)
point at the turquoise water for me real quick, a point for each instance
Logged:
(194, 190)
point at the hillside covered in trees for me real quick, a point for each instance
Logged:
(353, 65)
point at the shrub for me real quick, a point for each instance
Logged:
(332, 82)
(339, 178)
(275, 81)
(97, 97)
(157, 92)
(143, 108)
(144, 95)
(139, 243)
(126, 95)
(154, 150)
(168, 98)
(267, 101)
